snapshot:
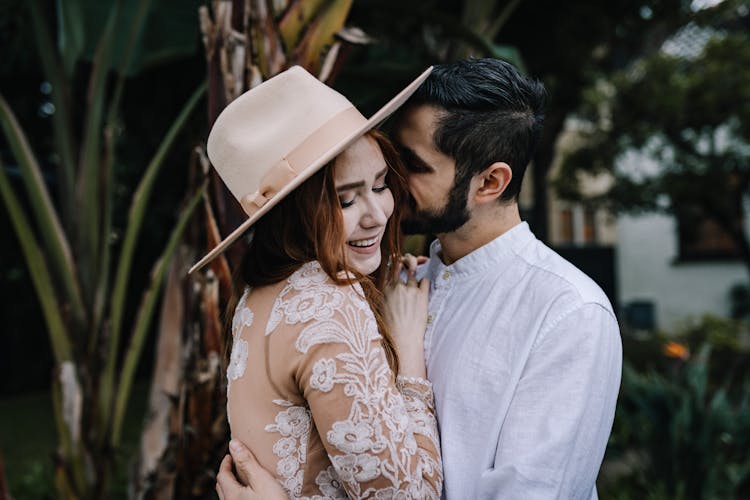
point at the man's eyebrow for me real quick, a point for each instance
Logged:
(355, 185)
(411, 157)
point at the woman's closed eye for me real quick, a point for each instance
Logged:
(345, 203)
(348, 201)
(381, 183)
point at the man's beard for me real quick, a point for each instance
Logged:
(450, 217)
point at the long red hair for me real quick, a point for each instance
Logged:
(307, 225)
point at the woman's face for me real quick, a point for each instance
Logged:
(366, 202)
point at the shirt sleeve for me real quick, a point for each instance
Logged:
(553, 439)
(379, 431)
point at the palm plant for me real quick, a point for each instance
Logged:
(68, 247)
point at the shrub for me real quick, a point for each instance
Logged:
(682, 433)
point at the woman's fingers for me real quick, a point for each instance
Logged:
(410, 264)
(411, 279)
(226, 484)
(244, 462)
(260, 482)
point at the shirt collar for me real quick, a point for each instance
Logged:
(491, 254)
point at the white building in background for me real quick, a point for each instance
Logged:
(681, 270)
(650, 270)
(662, 278)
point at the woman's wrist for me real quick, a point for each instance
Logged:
(411, 362)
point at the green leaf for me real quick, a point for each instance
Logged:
(145, 315)
(320, 33)
(500, 20)
(61, 118)
(510, 54)
(134, 36)
(169, 32)
(52, 234)
(38, 271)
(453, 28)
(104, 251)
(89, 173)
(296, 19)
(70, 33)
(136, 216)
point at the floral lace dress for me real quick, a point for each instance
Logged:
(310, 391)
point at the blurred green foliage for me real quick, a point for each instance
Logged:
(685, 109)
(682, 427)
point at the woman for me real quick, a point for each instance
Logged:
(326, 381)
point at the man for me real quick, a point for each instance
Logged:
(523, 349)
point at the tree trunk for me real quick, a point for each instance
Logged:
(163, 422)
(543, 158)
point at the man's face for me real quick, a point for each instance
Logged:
(438, 202)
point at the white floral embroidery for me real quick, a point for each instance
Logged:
(238, 359)
(350, 437)
(356, 468)
(311, 304)
(323, 373)
(373, 450)
(293, 484)
(306, 277)
(282, 402)
(294, 425)
(284, 447)
(294, 421)
(329, 484)
(243, 317)
(287, 466)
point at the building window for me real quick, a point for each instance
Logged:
(701, 238)
(566, 226)
(589, 226)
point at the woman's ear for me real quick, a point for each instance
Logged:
(493, 182)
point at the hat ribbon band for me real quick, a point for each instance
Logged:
(308, 151)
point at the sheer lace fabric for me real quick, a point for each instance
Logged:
(311, 392)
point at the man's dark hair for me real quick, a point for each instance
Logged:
(491, 113)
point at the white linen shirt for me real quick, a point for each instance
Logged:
(524, 354)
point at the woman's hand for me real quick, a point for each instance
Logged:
(256, 482)
(406, 314)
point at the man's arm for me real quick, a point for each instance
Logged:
(553, 438)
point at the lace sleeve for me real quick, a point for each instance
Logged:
(380, 433)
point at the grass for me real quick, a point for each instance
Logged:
(28, 440)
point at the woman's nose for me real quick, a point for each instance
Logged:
(374, 213)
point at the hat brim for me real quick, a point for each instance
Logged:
(305, 174)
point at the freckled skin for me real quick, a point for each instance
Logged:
(367, 207)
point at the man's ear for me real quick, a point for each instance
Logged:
(493, 182)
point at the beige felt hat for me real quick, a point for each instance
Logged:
(275, 136)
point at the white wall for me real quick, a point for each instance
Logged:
(646, 270)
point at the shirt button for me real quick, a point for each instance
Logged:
(446, 275)
(429, 319)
